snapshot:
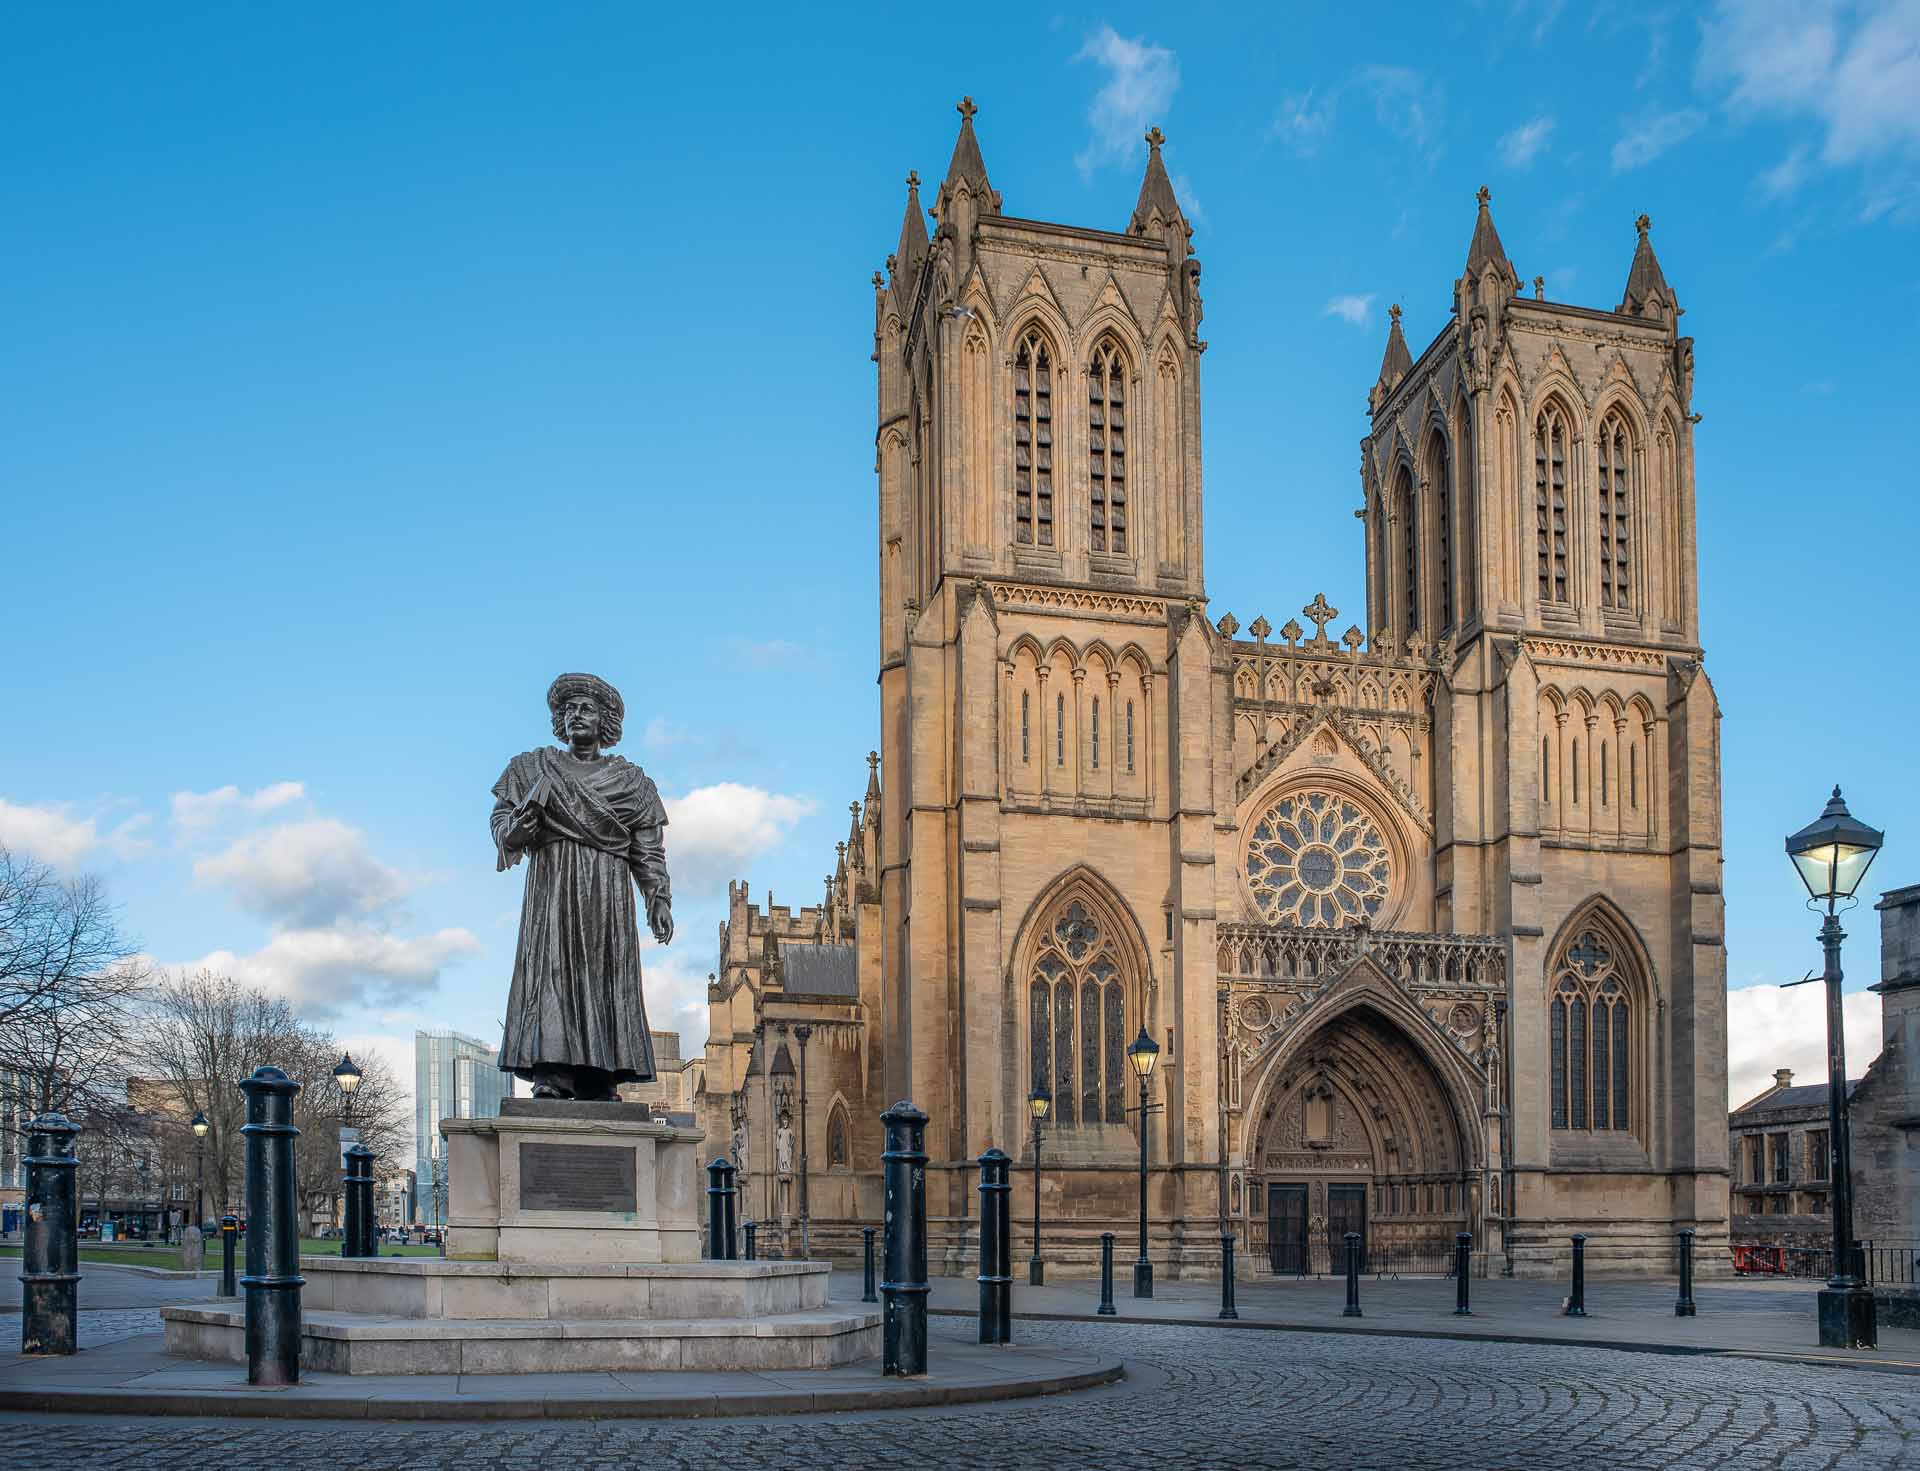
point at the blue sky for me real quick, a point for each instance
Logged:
(364, 367)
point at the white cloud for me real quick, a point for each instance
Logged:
(1354, 310)
(1406, 103)
(1769, 1027)
(1520, 147)
(714, 832)
(342, 968)
(195, 810)
(1652, 136)
(1853, 69)
(1304, 121)
(51, 833)
(1190, 204)
(1141, 79)
(305, 874)
(1786, 176)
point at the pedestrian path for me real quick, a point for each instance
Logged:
(1771, 1319)
(137, 1376)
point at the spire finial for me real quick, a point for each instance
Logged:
(1155, 137)
(1485, 196)
(1539, 288)
(913, 178)
(1643, 224)
(965, 108)
(1394, 312)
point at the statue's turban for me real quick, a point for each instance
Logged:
(613, 709)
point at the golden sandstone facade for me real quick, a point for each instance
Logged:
(1425, 916)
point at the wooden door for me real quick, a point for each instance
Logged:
(1346, 1211)
(1287, 1228)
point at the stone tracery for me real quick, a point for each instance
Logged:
(1317, 859)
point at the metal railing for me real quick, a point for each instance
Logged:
(1881, 1263)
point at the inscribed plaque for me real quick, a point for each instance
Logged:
(577, 1177)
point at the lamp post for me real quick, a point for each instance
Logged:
(1143, 1054)
(801, 1034)
(200, 1127)
(1038, 1102)
(1832, 854)
(346, 1077)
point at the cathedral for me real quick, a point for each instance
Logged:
(1423, 913)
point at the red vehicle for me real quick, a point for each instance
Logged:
(1759, 1261)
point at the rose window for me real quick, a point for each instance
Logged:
(1318, 859)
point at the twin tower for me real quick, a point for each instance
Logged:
(1425, 913)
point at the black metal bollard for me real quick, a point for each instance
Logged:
(996, 1249)
(1577, 1303)
(1462, 1271)
(1227, 1309)
(720, 1246)
(357, 1236)
(1352, 1309)
(905, 1164)
(1683, 1308)
(866, 1237)
(50, 1255)
(229, 1238)
(273, 1279)
(752, 1229)
(1106, 1308)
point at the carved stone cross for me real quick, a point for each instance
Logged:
(1483, 194)
(1643, 224)
(1319, 613)
(1155, 137)
(965, 108)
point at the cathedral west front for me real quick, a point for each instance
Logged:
(1420, 902)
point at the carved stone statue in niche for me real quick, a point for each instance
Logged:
(783, 1144)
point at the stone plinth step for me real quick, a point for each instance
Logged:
(367, 1343)
(433, 1288)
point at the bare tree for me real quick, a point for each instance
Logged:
(379, 1111)
(199, 1035)
(70, 983)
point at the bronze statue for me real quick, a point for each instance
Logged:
(591, 823)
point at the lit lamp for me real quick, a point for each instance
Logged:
(346, 1077)
(1038, 1103)
(1832, 855)
(200, 1128)
(1143, 1054)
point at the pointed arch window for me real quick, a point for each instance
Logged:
(1440, 478)
(1033, 441)
(1077, 1009)
(1107, 448)
(838, 1154)
(1409, 551)
(1550, 503)
(1590, 1036)
(1059, 730)
(1616, 459)
(1026, 708)
(1129, 737)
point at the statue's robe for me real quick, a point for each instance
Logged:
(576, 1001)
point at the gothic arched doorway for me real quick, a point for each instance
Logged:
(1357, 1134)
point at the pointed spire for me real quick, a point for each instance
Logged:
(1395, 364)
(873, 783)
(967, 163)
(913, 238)
(856, 849)
(1156, 190)
(1486, 249)
(1647, 294)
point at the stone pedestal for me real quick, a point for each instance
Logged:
(566, 1182)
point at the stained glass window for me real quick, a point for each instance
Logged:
(1317, 860)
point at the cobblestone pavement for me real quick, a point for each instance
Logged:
(1195, 1397)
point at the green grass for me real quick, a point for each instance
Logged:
(311, 1247)
(114, 1254)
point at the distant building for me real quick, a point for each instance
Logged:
(676, 1080)
(1781, 1144)
(455, 1077)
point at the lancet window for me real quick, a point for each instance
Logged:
(1107, 448)
(1616, 459)
(1409, 552)
(1590, 1037)
(1550, 504)
(1033, 441)
(1077, 1019)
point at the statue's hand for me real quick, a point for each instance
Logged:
(660, 920)
(526, 828)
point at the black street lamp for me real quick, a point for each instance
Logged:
(801, 1034)
(1832, 854)
(1038, 1102)
(346, 1077)
(1143, 1054)
(200, 1127)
